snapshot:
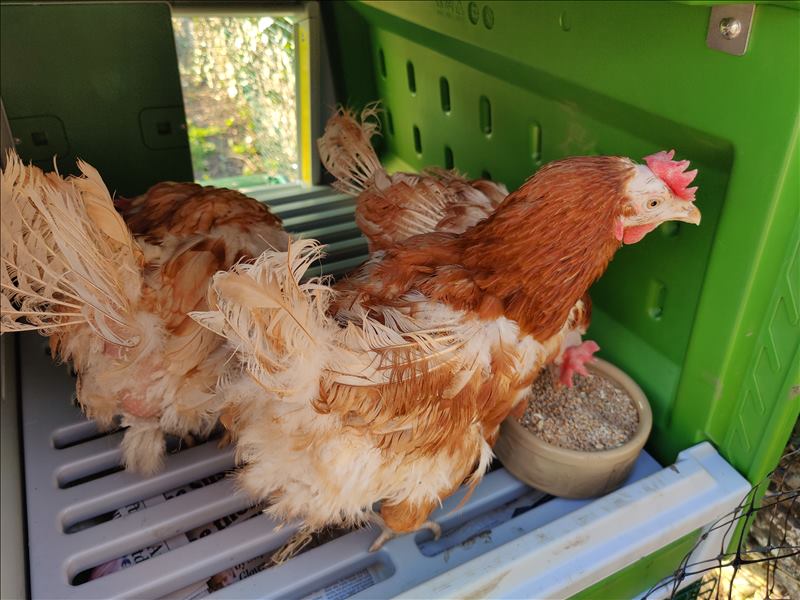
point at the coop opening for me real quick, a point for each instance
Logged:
(238, 80)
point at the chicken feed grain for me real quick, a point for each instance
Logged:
(593, 415)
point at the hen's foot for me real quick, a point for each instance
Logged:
(226, 440)
(435, 528)
(575, 359)
(388, 534)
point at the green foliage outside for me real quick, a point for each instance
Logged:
(238, 84)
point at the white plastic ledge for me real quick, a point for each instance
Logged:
(569, 554)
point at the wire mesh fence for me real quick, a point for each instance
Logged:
(760, 557)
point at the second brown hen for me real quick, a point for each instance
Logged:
(392, 208)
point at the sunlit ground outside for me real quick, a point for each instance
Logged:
(238, 81)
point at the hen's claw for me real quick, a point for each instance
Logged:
(225, 440)
(435, 528)
(575, 359)
(388, 534)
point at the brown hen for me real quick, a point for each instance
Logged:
(114, 298)
(399, 394)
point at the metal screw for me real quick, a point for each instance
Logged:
(730, 28)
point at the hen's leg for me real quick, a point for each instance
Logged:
(226, 418)
(389, 534)
(227, 439)
(143, 446)
(405, 518)
(386, 535)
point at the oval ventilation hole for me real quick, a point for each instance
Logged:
(485, 174)
(389, 122)
(412, 82)
(670, 228)
(382, 63)
(536, 143)
(656, 294)
(417, 140)
(444, 92)
(448, 158)
(486, 115)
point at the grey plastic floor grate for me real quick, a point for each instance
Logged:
(186, 530)
(323, 214)
(70, 531)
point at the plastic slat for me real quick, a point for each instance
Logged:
(151, 525)
(277, 195)
(332, 232)
(314, 204)
(317, 218)
(349, 246)
(339, 268)
(188, 564)
(118, 489)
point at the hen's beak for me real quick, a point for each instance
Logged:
(683, 210)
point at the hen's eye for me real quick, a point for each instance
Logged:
(653, 203)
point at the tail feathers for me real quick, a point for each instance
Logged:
(67, 257)
(346, 151)
(100, 206)
(289, 344)
(278, 325)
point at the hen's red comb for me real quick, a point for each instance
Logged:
(673, 173)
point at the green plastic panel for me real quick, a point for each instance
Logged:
(704, 318)
(98, 81)
(642, 575)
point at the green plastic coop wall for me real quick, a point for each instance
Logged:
(706, 319)
(97, 81)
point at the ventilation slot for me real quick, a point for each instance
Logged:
(417, 140)
(412, 82)
(70, 527)
(485, 108)
(656, 294)
(104, 457)
(389, 122)
(160, 548)
(358, 581)
(382, 63)
(444, 93)
(479, 527)
(80, 433)
(96, 436)
(448, 158)
(68, 481)
(536, 143)
(670, 228)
